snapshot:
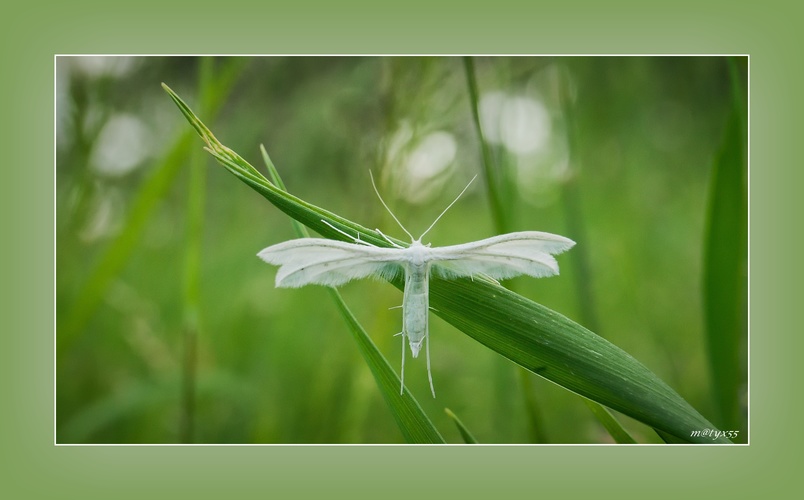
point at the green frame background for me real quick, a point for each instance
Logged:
(32, 467)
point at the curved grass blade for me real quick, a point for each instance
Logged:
(407, 412)
(409, 416)
(669, 438)
(529, 334)
(560, 350)
(612, 425)
(467, 436)
(298, 209)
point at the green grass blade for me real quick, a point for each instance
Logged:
(306, 213)
(725, 267)
(669, 438)
(300, 230)
(152, 192)
(529, 334)
(612, 425)
(409, 416)
(467, 436)
(558, 349)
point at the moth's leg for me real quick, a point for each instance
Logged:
(433, 309)
(402, 376)
(396, 307)
(355, 239)
(388, 239)
(429, 372)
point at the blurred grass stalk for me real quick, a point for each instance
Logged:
(493, 177)
(580, 259)
(725, 256)
(467, 436)
(496, 180)
(192, 264)
(153, 190)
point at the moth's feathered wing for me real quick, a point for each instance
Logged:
(327, 262)
(501, 257)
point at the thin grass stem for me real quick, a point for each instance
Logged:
(502, 224)
(192, 268)
(570, 198)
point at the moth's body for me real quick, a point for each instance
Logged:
(329, 262)
(416, 301)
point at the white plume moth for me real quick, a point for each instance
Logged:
(327, 262)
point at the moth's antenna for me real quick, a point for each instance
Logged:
(356, 240)
(386, 206)
(448, 207)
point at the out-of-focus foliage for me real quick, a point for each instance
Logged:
(279, 365)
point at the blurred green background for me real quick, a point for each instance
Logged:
(617, 153)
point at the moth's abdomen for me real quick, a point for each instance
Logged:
(415, 306)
